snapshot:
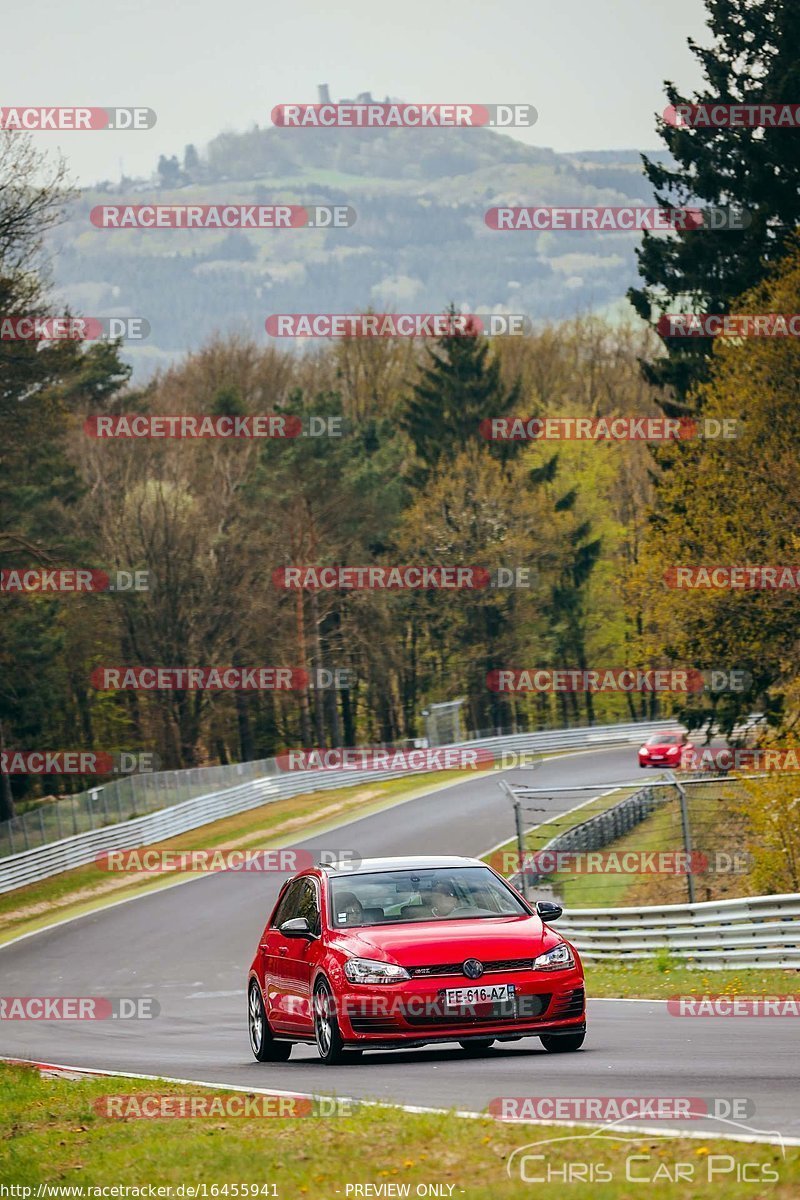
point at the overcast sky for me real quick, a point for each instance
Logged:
(593, 68)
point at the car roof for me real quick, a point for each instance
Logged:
(417, 863)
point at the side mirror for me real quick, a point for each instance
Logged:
(547, 911)
(297, 927)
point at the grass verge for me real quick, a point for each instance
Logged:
(718, 830)
(660, 978)
(51, 1134)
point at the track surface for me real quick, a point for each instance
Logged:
(190, 948)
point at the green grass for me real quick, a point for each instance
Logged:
(660, 978)
(50, 1133)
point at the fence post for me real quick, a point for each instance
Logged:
(520, 847)
(687, 838)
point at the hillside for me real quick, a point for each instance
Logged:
(419, 242)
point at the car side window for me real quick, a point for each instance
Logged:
(288, 906)
(307, 905)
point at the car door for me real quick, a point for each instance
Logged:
(300, 960)
(287, 964)
(275, 951)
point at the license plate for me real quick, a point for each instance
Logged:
(485, 993)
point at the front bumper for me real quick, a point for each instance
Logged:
(415, 1013)
(672, 761)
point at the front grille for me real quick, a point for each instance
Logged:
(365, 1023)
(500, 964)
(570, 1004)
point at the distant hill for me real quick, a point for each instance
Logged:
(419, 242)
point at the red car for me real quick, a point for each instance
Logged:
(407, 951)
(664, 749)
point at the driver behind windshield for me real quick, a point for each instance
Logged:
(443, 898)
(349, 909)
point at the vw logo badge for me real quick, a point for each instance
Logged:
(473, 969)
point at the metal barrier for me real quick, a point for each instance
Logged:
(756, 931)
(596, 832)
(64, 853)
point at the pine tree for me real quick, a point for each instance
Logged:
(754, 59)
(460, 386)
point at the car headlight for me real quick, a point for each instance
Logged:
(558, 959)
(370, 970)
(643, 749)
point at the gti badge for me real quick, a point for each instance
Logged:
(473, 969)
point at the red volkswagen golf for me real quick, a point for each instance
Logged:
(407, 951)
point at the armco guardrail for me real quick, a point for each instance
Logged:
(59, 855)
(756, 931)
(129, 796)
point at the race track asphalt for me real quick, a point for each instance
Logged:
(190, 946)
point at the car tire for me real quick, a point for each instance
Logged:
(473, 1049)
(326, 1027)
(562, 1043)
(262, 1043)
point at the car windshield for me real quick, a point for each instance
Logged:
(665, 739)
(447, 894)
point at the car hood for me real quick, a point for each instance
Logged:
(430, 943)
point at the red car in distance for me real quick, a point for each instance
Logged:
(664, 749)
(407, 951)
